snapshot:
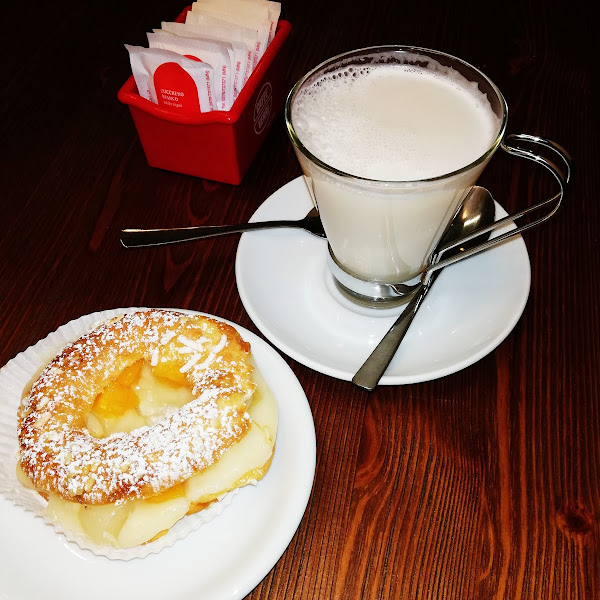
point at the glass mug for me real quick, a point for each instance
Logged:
(387, 176)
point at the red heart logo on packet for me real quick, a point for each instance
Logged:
(176, 89)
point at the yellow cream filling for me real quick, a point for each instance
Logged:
(134, 522)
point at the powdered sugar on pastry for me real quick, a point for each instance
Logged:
(58, 452)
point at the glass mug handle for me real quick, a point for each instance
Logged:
(562, 173)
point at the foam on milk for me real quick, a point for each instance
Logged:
(394, 122)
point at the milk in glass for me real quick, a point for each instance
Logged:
(401, 135)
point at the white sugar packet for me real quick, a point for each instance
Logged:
(160, 76)
(221, 54)
(273, 10)
(241, 12)
(198, 24)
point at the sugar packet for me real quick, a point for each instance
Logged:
(248, 13)
(164, 77)
(251, 8)
(219, 55)
(199, 24)
(237, 50)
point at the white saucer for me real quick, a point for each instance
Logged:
(289, 293)
(222, 560)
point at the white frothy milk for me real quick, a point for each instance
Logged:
(391, 123)
(394, 122)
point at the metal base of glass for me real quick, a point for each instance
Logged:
(372, 294)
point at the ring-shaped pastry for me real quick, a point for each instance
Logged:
(60, 455)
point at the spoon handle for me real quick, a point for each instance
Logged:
(132, 238)
(368, 376)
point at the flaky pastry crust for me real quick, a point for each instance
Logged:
(59, 454)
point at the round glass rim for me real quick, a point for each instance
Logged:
(395, 48)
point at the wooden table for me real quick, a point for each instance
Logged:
(482, 484)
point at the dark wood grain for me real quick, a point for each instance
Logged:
(481, 485)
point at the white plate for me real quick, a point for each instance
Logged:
(223, 560)
(288, 291)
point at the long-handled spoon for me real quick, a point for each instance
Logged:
(131, 238)
(477, 212)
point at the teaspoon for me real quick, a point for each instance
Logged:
(131, 238)
(478, 211)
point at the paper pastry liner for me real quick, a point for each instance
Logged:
(14, 378)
